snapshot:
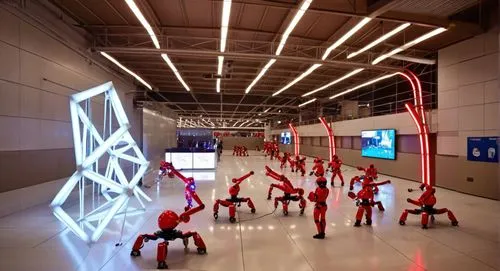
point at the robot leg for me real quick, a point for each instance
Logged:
(333, 178)
(317, 221)
(198, 241)
(161, 255)
(136, 249)
(375, 189)
(276, 199)
(451, 216)
(232, 213)
(341, 177)
(404, 215)
(359, 216)
(425, 220)
(285, 206)
(270, 191)
(302, 205)
(368, 215)
(353, 180)
(379, 205)
(250, 204)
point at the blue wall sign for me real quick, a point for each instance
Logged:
(482, 149)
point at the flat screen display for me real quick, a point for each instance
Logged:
(182, 160)
(203, 160)
(379, 144)
(286, 138)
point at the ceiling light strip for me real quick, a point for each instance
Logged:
(380, 40)
(175, 71)
(334, 82)
(302, 9)
(302, 76)
(218, 85)
(363, 85)
(137, 12)
(405, 46)
(224, 28)
(308, 102)
(346, 36)
(110, 58)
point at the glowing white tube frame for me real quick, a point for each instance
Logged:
(137, 12)
(334, 82)
(175, 71)
(302, 76)
(346, 36)
(363, 85)
(112, 59)
(308, 102)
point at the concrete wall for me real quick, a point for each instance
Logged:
(38, 74)
(469, 101)
(159, 133)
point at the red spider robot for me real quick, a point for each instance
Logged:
(290, 193)
(365, 202)
(334, 166)
(369, 172)
(167, 222)
(319, 196)
(234, 200)
(284, 159)
(426, 203)
(318, 169)
(300, 165)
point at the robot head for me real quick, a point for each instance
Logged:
(321, 181)
(168, 220)
(372, 166)
(300, 191)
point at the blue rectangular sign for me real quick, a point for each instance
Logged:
(482, 149)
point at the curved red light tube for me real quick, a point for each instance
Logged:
(331, 142)
(417, 113)
(295, 139)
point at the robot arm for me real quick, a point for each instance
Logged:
(271, 173)
(426, 195)
(242, 178)
(361, 168)
(185, 217)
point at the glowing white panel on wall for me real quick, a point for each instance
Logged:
(203, 160)
(182, 160)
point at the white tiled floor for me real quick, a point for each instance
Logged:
(35, 240)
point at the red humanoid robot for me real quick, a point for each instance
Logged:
(167, 222)
(335, 166)
(234, 199)
(290, 193)
(369, 172)
(365, 202)
(300, 164)
(318, 169)
(319, 197)
(426, 203)
(291, 161)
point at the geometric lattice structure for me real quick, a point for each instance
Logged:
(113, 147)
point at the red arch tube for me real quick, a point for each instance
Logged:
(331, 141)
(295, 139)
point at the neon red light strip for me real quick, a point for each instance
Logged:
(331, 142)
(295, 139)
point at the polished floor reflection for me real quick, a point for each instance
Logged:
(35, 240)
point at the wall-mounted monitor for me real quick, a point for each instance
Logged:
(379, 144)
(286, 138)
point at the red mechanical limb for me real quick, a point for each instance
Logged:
(198, 241)
(276, 200)
(379, 205)
(359, 216)
(354, 179)
(185, 217)
(242, 178)
(269, 193)
(425, 220)
(249, 203)
(285, 207)
(414, 202)
(316, 214)
(404, 215)
(368, 215)
(161, 255)
(273, 174)
(451, 216)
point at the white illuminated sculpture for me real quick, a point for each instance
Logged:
(114, 144)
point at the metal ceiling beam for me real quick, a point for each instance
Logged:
(197, 53)
(232, 104)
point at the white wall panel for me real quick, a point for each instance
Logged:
(9, 28)
(31, 105)
(492, 92)
(9, 133)
(447, 145)
(448, 119)
(448, 99)
(9, 68)
(477, 70)
(30, 135)
(9, 99)
(491, 120)
(470, 94)
(471, 118)
(447, 78)
(468, 49)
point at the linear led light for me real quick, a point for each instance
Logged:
(334, 82)
(218, 85)
(381, 39)
(244, 123)
(219, 66)
(415, 59)
(110, 58)
(267, 110)
(363, 85)
(261, 73)
(308, 102)
(176, 72)
(302, 76)
(137, 12)
(303, 8)
(345, 37)
(405, 46)
(226, 12)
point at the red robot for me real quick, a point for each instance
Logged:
(426, 203)
(244, 151)
(284, 159)
(290, 193)
(318, 169)
(365, 202)
(319, 197)
(189, 187)
(300, 165)
(167, 222)
(369, 172)
(234, 200)
(334, 166)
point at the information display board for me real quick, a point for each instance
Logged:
(482, 149)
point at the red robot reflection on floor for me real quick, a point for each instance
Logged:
(319, 196)
(369, 172)
(167, 222)
(318, 169)
(365, 201)
(234, 199)
(426, 203)
(334, 166)
(290, 193)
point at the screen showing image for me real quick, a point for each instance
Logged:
(379, 144)
(286, 138)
